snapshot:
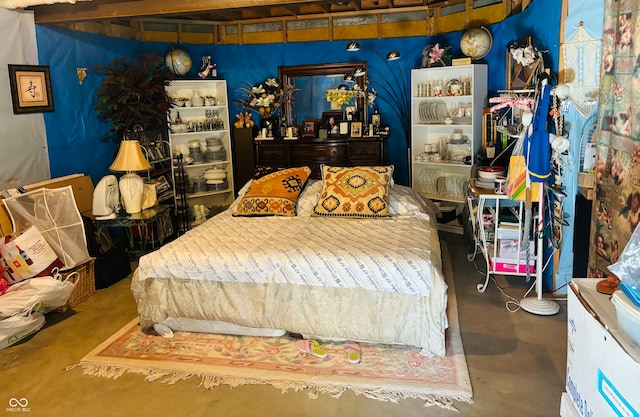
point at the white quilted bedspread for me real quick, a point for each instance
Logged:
(392, 254)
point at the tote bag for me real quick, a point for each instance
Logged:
(26, 255)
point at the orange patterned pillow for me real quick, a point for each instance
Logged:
(355, 191)
(275, 194)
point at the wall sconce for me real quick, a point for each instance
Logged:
(82, 74)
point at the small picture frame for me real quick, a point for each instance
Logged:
(331, 121)
(375, 119)
(344, 128)
(30, 88)
(349, 111)
(356, 129)
(309, 128)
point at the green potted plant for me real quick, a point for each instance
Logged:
(133, 93)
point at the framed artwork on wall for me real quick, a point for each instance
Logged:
(30, 88)
(523, 63)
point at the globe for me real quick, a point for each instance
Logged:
(476, 43)
(178, 61)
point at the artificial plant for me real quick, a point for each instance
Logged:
(133, 93)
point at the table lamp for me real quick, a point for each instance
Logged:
(130, 160)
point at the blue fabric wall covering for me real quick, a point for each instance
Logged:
(74, 129)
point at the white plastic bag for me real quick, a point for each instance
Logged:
(26, 255)
(55, 213)
(42, 294)
(16, 328)
(627, 269)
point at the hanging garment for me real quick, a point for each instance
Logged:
(537, 148)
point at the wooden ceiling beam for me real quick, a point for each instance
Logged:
(326, 8)
(293, 10)
(99, 10)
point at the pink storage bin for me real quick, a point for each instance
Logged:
(509, 266)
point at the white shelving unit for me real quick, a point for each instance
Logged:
(446, 131)
(499, 240)
(212, 102)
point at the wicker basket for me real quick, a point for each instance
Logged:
(588, 193)
(85, 284)
(586, 179)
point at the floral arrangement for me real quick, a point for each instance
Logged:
(523, 55)
(345, 96)
(339, 96)
(370, 94)
(437, 55)
(263, 98)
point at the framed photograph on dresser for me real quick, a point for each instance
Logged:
(344, 128)
(331, 121)
(309, 128)
(356, 129)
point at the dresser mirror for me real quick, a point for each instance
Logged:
(311, 83)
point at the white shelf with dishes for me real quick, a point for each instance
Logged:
(199, 131)
(446, 131)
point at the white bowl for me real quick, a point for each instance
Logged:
(490, 173)
(179, 127)
(215, 181)
(216, 176)
(215, 148)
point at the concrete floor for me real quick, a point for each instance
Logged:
(516, 363)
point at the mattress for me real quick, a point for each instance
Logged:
(376, 280)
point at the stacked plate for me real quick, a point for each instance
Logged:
(214, 144)
(195, 151)
(215, 150)
(199, 185)
(433, 111)
(486, 177)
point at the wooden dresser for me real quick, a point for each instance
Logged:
(314, 152)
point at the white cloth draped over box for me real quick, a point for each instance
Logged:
(376, 280)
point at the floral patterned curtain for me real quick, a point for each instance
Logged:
(616, 207)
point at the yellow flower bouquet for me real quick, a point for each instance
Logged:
(340, 97)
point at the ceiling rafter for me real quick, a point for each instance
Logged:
(122, 13)
(202, 9)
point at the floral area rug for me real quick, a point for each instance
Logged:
(386, 372)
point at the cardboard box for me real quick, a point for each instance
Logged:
(603, 369)
(82, 192)
(589, 157)
(508, 249)
(566, 407)
(507, 233)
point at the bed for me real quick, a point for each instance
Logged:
(369, 278)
